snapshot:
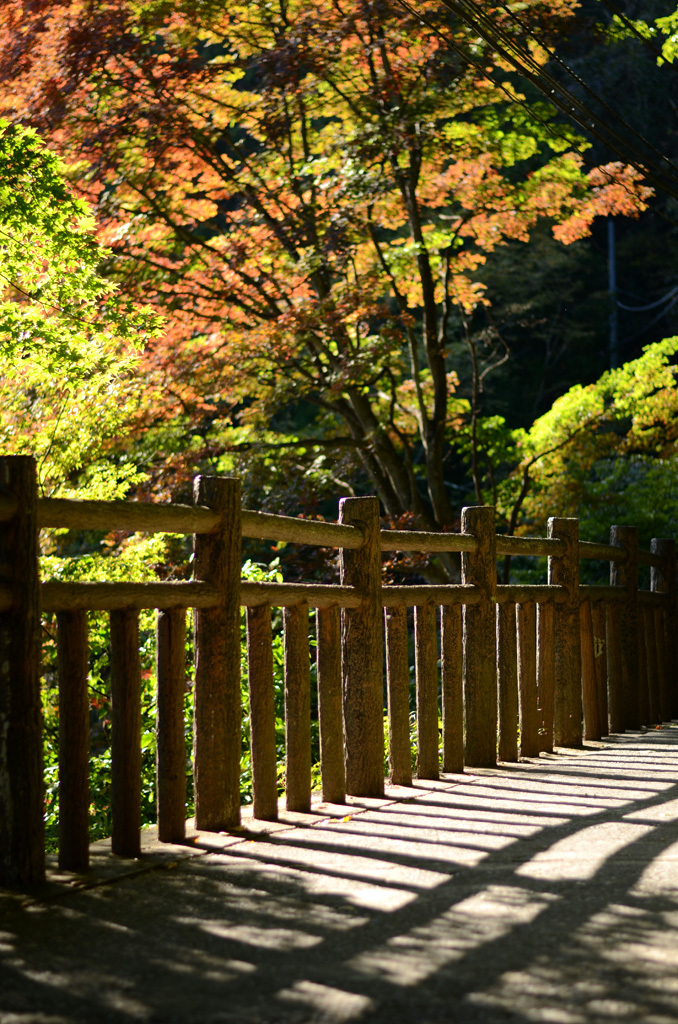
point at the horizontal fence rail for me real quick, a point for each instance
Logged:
(484, 670)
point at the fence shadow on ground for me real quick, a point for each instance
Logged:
(546, 890)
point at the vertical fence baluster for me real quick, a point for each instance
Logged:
(218, 714)
(563, 571)
(170, 656)
(363, 652)
(598, 617)
(125, 734)
(262, 713)
(644, 716)
(588, 674)
(615, 671)
(398, 687)
(526, 626)
(658, 615)
(653, 716)
(72, 659)
(451, 663)
(663, 581)
(545, 673)
(330, 709)
(507, 682)
(625, 574)
(426, 668)
(297, 710)
(22, 830)
(480, 664)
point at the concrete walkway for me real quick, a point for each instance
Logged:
(542, 891)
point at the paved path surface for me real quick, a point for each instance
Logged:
(543, 891)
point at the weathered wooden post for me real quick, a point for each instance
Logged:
(125, 734)
(170, 732)
(22, 837)
(262, 713)
(526, 625)
(546, 668)
(72, 659)
(330, 709)
(625, 574)
(398, 688)
(426, 670)
(592, 730)
(362, 652)
(297, 710)
(480, 665)
(217, 738)
(452, 684)
(563, 571)
(663, 581)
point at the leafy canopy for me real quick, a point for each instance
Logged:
(68, 342)
(310, 191)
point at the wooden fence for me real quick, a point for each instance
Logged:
(552, 663)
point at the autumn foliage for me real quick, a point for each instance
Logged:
(308, 192)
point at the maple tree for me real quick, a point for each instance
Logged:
(308, 192)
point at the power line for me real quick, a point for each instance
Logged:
(590, 92)
(661, 173)
(651, 305)
(561, 96)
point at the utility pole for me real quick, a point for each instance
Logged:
(612, 291)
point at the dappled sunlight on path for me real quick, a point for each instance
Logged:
(542, 891)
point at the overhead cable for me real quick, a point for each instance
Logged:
(660, 172)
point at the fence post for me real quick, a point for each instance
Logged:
(546, 666)
(262, 713)
(74, 798)
(125, 733)
(426, 670)
(592, 725)
(218, 711)
(663, 581)
(297, 710)
(563, 571)
(652, 673)
(171, 738)
(330, 710)
(526, 626)
(398, 686)
(22, 836)
(598, 614)
(362, 652)
(480, 665)
(507, 682)
(615, 671)
(452, 685)
(625, 574)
